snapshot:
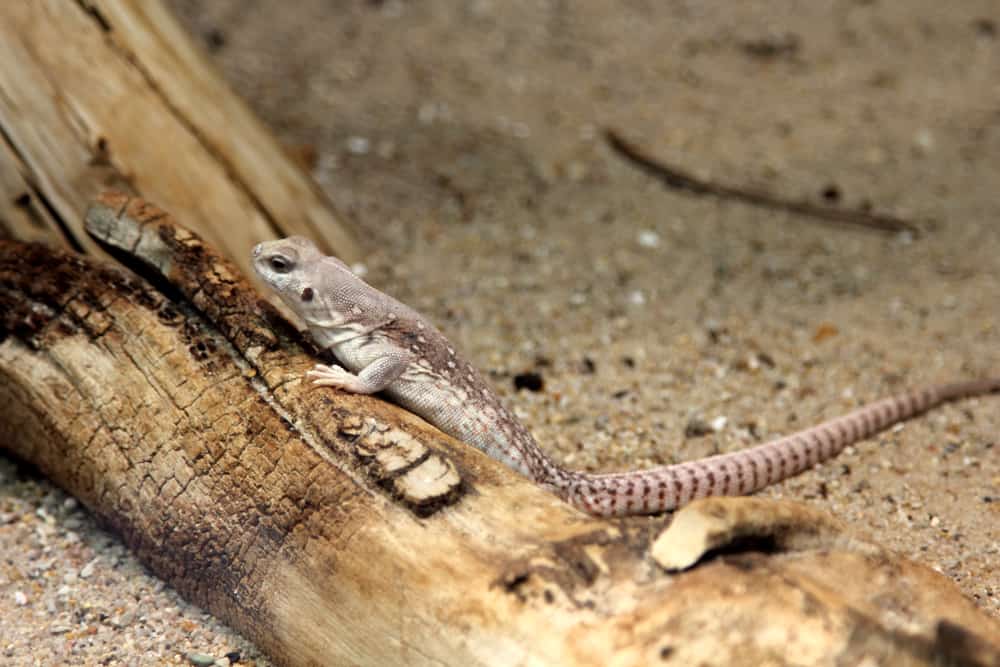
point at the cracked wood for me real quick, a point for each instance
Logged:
(174, 410)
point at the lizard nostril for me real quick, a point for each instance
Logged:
(256, 249)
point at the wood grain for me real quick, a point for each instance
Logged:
(173, 408)
(101, 93)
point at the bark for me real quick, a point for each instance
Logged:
(328, 528)
(338, 529)
(99, 93)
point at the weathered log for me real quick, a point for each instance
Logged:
(99, 93)
(338, 529)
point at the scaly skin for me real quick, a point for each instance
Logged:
(386, 346)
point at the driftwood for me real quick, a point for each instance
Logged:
(338, 529)
(101, 93)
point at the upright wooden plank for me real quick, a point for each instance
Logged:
(115, 94)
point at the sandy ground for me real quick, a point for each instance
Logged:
(464, 141)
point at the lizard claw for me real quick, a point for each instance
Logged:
(322, 375)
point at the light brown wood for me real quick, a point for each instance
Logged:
(715, 523)
(99, 93)
(338, 529)
(24, 217)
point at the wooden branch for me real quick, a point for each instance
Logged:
(338, 529)
(99, 93)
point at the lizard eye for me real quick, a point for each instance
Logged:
(279, 264)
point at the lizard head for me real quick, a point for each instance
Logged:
(321, 290)
(290, 267)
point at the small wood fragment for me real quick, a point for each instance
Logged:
(677, 179)
(712, 524)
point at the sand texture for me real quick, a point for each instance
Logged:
(466, 143)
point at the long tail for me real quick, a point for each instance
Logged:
(738, 473)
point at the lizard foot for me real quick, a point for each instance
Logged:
(322, 375)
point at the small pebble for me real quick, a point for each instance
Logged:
(649, 239)
(696, 428)
(531, 381)
(200, 659)
(824, 331)
(923, 141)
(128, 618)
(985, 27)
(88, 569)
(20, 599)
(357, 146)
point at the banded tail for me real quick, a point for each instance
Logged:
(738, 473)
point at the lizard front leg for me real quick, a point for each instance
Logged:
(374, 377)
